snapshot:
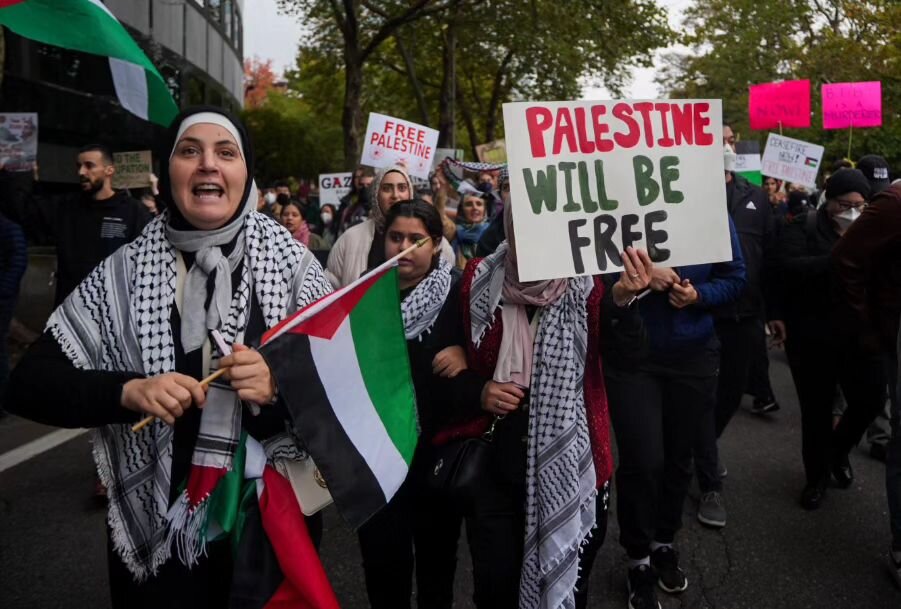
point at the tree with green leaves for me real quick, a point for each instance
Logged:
(356, 29)
(736, 43)
(290, 140)
(462, 59)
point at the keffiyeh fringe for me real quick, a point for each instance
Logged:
(561, 482)
(118, 319)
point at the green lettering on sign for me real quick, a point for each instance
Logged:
(542, 189)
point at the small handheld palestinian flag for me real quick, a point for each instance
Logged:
(88, 26)
(275, 565)
(342, 368)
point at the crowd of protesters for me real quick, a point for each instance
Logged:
(658, 357)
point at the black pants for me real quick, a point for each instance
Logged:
(738, 343)
(759, 374)
(221, 578)
(206, 585)
(656, 412)
(817, 367)
(737, 347)
(415, 528)
(496, 526)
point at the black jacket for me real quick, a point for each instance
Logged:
(803, 293)
(85, 231)
(440, 401)
(752, 215)
(492, 237)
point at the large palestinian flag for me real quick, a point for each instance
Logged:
(342, 368)
(88, 26)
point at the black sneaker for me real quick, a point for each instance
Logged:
(642, 593)
(812, 496)
(764, 406)
(670, 577)
(878, 452)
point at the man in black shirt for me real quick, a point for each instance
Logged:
(85, 226)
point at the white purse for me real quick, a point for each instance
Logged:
(308, 484)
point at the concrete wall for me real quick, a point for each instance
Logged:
(135, 13)
(168, 24)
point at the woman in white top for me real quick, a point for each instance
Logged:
(363, 246)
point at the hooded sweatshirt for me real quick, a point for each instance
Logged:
(349, 258)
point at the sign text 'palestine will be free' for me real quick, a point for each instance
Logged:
(590, 178)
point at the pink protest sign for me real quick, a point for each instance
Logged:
(852, 104)
(780, 103)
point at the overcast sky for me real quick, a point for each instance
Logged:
(268, 35)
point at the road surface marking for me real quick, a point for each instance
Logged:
(36, 447)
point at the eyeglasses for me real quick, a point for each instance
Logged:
(845, 205)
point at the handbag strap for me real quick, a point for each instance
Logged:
(489, 433)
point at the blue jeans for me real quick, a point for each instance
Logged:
(7, 306)
(893, 450)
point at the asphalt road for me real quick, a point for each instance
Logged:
(771, 554)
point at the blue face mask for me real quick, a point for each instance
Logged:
(485, 187)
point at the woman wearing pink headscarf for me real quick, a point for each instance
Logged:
(546, 492)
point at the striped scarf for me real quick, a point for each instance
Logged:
(421, 307)
(118, 319)
(561, 482)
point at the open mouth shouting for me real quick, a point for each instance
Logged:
(208, 191)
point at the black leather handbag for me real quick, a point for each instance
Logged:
(459, 466)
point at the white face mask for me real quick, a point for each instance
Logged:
(845, 218)
(326, 217)
(270, 198)
(729, 158)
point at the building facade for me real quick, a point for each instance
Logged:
(197, 45)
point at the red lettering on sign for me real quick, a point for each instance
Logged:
(701, 120)
(538, 120)
(630, 138)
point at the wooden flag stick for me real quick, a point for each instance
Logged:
(148, 420)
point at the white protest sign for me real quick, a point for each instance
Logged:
(133, 169)
(492, 152)
(333, 186)
(392, 140)
(745, 163)
(588, 178)
(18, 141)
(791, 160)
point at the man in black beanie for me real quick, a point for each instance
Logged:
(820, 352)
(868, 285)
(876, 169)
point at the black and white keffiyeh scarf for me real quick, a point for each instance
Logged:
(560, 477)
(421, 307)
(118, 319)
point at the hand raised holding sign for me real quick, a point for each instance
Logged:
(635, 278)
